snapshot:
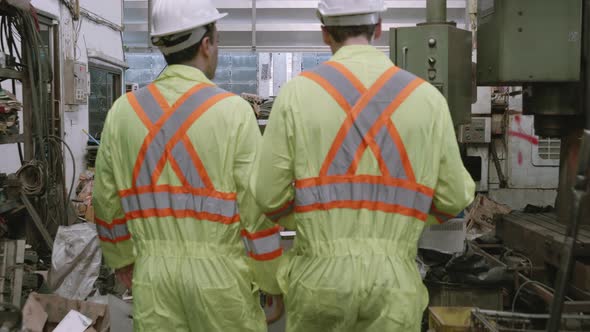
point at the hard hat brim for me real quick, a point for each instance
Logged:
(173, 32)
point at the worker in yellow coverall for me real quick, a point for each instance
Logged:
(358, 157)
(171, 173)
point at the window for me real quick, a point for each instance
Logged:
(105, 88)
(547, 152)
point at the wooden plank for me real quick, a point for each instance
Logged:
(6, 73)
(557, 228)
(37, 221)
(552, 220)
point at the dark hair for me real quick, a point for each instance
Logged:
(341, 33)
(188, 53)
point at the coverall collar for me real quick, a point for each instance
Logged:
(183, 72)
(354, 51)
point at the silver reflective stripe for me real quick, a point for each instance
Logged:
(149, 104)
(182, 157)
(153, 111)
(115, 233)
(283, 213)
(157, 147)
(363, 192)
(340, 82)
(366, 120)
(264, 245)
(390, 154)
(180, 202)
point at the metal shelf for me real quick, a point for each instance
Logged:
(6, 73)
(11, 139)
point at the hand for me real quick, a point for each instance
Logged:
(279, 310)
(125, 275)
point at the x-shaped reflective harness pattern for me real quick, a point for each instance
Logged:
(368, 124)
(167, 141)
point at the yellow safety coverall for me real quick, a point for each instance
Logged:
(363, 155)
(171, 173)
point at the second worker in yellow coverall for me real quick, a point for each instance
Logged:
(171, 173)
(363, 155)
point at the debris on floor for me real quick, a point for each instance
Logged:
(43, 313)
(480, 217)
(76, 261)
(83, 200)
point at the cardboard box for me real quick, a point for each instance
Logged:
(43, 313)
(582, 275)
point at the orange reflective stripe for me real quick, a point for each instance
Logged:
(197, 162)
(348, 74)
(440, 216)
(401, 150)
(369, 205)
(163, 213)
(177, 190)
(155, 128)
(261, 234)
(114, 232)
(119, 221)
(330, 90)
(183, 129)
(139, 111)
(385, 120)
(281, 212)
(159, 98)
(350, 119)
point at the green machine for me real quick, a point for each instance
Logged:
(440, 53)
(536, 44)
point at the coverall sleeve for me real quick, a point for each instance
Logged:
(455, 189)
(272, 182)
(261, 236)
(115, 239)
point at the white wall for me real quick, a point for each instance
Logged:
(91, 36)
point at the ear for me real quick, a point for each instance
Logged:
(207, 46)
(326, 36)
(379, 30)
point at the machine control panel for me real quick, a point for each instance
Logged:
(479, 131)
(77, 83)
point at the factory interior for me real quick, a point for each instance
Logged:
(75, 74)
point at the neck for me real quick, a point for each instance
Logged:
(197, 62)
(350, 42)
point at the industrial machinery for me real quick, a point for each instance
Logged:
(516, 45)
(440, 53)
(544, 47)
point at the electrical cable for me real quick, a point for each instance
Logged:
(73, 164)
(32, 178)
(531, 282)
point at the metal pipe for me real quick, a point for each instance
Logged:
(149, 24)
(436, 11)
(586, 59)
(254, 13)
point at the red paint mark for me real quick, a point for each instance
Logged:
(529, 138)
(518, 119)
(520, 158)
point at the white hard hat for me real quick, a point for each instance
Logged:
(170, 17)
(184, 20)
(350, 12)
